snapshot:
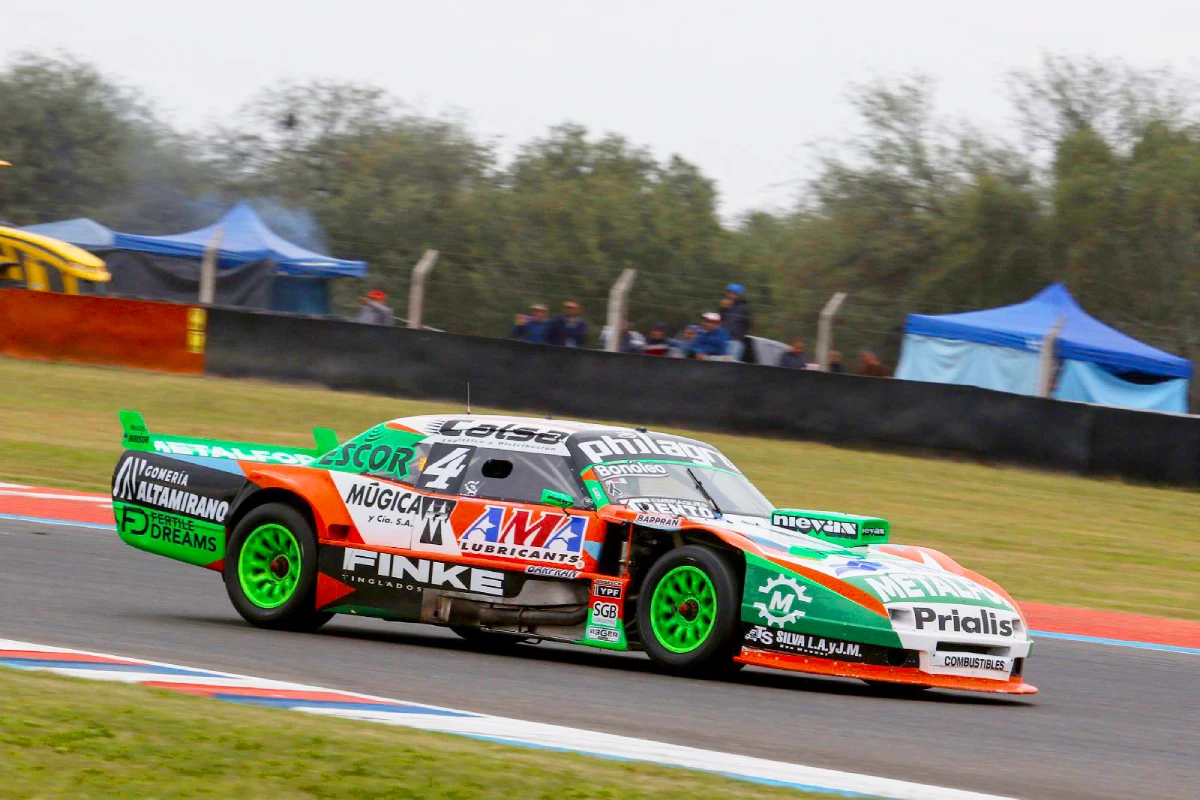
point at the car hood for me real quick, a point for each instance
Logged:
(896, 575)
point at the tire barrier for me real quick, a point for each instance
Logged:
(102, 330)
(733, 397)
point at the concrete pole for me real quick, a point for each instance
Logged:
(416, 289)
(208, 268)
(825, 329)
(1046, 361)
(617, 297)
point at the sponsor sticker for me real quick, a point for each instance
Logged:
(964, 619)
(163, 485)
(608, 447)
(524, 437)
(667, 506)
(662, 522)
(170, 529)
(606, 614)
(264, 456)
(596, 633)
(972, 663)
(526, 534)
(781, 604)
(764, 638)
(551, 572)
(607, 589)
(394, 516)
(415, 574)
(829, 527)
(369, 455)
(894, 587)
(634, 469)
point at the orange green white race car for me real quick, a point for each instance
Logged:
(512, 529)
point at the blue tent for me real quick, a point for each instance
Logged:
(999, 348)
(81, 232)
(244, 238)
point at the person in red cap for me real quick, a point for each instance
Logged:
(375, 310)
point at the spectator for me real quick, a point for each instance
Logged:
(794, 357)
(712, 341)
(375, 310)
(682, 344)
(532, 327)
(835, 361)
(735, 318)
(870, 365)
(631, 341)
(568, 329)
(657, 343)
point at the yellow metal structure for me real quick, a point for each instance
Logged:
(25, 257)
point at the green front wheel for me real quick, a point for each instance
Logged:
(687, 611)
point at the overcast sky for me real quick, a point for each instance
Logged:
(742, 89)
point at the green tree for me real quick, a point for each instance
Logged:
(82, 144)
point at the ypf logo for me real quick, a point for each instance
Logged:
(784, 593)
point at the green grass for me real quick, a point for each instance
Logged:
(1044, 536)
(63, 737)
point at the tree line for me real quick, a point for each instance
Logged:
(1099, 188)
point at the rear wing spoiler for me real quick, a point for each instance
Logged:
(138, 437)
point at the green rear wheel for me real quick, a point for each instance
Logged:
(269, 565)
(271, 569)
(687, 611)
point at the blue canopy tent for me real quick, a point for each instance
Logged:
(301, 282)
(1000, 349)
(81, 232)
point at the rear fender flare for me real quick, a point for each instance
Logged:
(310, 490)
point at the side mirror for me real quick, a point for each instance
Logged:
(560, 499)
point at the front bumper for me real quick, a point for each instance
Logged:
(876, 672)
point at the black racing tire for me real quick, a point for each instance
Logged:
(291, 608)
(685, 652)
(491, 641)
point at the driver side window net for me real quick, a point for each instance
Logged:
(520, 477)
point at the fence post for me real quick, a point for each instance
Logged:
(1046, 359)
(616, 308)
(416, 290)
(208, 268)
(825, 329)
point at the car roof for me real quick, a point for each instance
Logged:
(552, 436)
(430, 423)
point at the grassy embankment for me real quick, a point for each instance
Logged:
(61, 737)
(1045, 537)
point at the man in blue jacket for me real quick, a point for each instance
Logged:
(533, 328)
(712, 341)
(568, 329)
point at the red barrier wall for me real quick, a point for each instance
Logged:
(102, 330)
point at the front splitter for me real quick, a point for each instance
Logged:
(874, 672)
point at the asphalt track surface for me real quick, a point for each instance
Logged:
(1110, 721)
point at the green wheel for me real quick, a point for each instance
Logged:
(687, 611)
(271, 569)
(683, 608)
(269, 565)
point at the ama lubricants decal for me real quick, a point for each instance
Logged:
(526, 534)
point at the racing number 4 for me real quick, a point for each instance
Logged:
(447, 468)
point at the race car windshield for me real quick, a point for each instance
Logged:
(667, 488)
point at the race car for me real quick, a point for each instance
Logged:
(514, 530)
